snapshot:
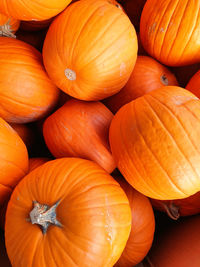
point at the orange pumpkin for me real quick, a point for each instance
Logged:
(90, 50)
(72, 206)
(36, 162)
(169, 31)
(14, 160)
(33, 10)
(180, 207)
(25, 132)
(147, 75)
(194, 84)
(8, 26)
(35, 25)
(142, 230)
(80, 129)
(26, 92)
(155, 145)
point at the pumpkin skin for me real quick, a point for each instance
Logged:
(154, 145)
(33, 10)
(37, 96)
(81, 130)
(180, 207)
(98, 45)
(169, 31)
(194, 84)
(178, 246)
(93, 210)
(36, 162)
(35, 25)
(142, 229)
(25, 132)
(8, 25)
(146, 76)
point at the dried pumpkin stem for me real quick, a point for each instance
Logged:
(44, 215)
(172, 210)
(164, 80)
(5, 30)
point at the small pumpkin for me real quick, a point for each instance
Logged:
(142, 229)
(8, 26)
(169, 31)
(155, 146)
(72, 206)
(33, 10)
(147, 75)
(26, 92)
(80, 129)
(36, 162)
(194, 84)
(90, 50)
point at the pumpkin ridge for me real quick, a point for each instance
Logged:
(157, 160)
(174, 141)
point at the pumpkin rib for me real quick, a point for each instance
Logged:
(194, 115)
(13, 164)
(177, 32)
(155, 157)
(174, 141)
(192, 32)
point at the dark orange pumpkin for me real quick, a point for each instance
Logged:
(25, 132)
(8, 26)
(36, 162)
(26, 92)
(67, 212)
(194, 84)
(169, 31)
(147, 75)
(90, 50)
(142, 229)
(80, 129)
(155, 145)
(35, 25)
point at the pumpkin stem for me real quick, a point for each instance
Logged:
(70, 74)
(172, 210)
(5, 30)
(164, 79)
(44, 215)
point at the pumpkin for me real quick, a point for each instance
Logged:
(80, 129)
(26, 92)
(154, 143)
(14, 160)
(8, 26)
(180, 207)
(90, 50)
(33, 10)
(147, 75)
(85, 217)
(169, 31)
(142, 229)
(36, 162)
(35, 25)
(194, 84)
(177, 246)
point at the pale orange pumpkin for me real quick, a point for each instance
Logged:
(67, 212)
(80, 129)
(8, 26)
(26, 92)
(90, 50)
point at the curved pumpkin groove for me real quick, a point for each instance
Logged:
(13, 164)
(158, 161)
(171, 137)
(123, 138)
(194, 115)
(34, 249)
(179, 26)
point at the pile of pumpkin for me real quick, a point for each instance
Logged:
(99, 121)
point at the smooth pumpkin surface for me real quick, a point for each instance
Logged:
(80, 129)
(14, 160)
(26, 92)
(36, 162)
(90, 50)
(194, 84)
(147, 75)
(178, 246)
(8, 25)
(154, 143)
(93, 213)
(169, 31)
(142, 229)
(33, 10)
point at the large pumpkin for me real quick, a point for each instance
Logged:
(194, 84)
(147, 75)
(26, 92)
(169, 31)
(142, 229)
(80, 129)
(67, 212)
(155, 142)
(8, 26)
(90, 50)
(33, 10)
